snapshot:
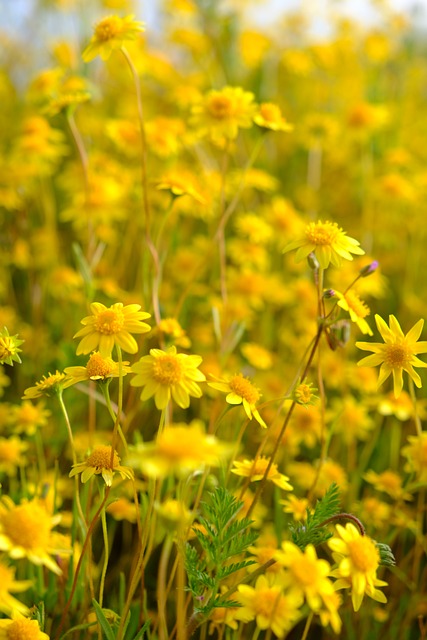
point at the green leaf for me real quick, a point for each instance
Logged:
(105, 625)
(141, 633)
(313, 530)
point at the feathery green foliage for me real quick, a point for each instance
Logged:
(313, 530)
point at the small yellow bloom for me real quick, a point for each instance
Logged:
(98, 369)
(297, 507)
(9, 348)
(21, 629)
(240, 390)
(221, 113)
(255, 470)
(329, 243)
(358, 560)
(49, 385)
(111, 326)
(110, 34)
(398, 354)
(99, 462)
(270, 117)
(388, 481)
(28, 417)
(416, 453)
(166, 374)
(356, 308)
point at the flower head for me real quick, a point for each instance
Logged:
(109, 34)
(240, 390)
(327, 241)
(98, 369)
(221, 113)
(26, 532)
(9, 348)
(304, 394)
(255, 470)
(49, 385)
(397, 354)
(356, 308)
(416, 453)
(166, 374)
(21, 629)
(109, 326)
(270, 117)
(28, 417)
(358, 559)
(99, 462)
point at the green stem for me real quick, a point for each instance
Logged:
(106, 549)
(417, 420)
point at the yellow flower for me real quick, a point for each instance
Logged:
(27, 417)
(97, 368)
(388, 481)
(111, 326)
(416, 453)
(257, 355)
(9, 348)
(178, 449)
(356, 308)
(358, 559)
(99, 462)
(171, 328)
(26, 532)
(8, 604)
(304, 394)
(49, 385)
(328, 241)
(12, 455)
(268, 605)
(269, 116)
(297, 507)
(221, 113)
(307, 574)
(21, 629)
(398, 354)
(109, 34)
(255, 470)
(240, 390)
(166, 374)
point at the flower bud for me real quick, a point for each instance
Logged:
(370, 268)
(313, 262)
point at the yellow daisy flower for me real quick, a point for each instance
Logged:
(358, 559)
(109, 326)
(240, 390)
(398, 354)
(12, 455)
(255, 470)
(221, 113)
(166, 374)
(49, 385)
(388, 481)
(28, 417)
(109, 34)
(356, 308)
(26, 532)
(99, 462)
(269, 116)
(416, 453)
(21, 629)
(97, 368)
(328, 241)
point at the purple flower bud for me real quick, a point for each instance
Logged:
(370, 268)
(328, 293)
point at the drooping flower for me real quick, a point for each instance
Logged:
(110, 34)
(99, 462)
(109, 326)
(49, 385)
(166, 374)
(98, 369)
(240, 390)
(327, 241)
(255, 470)
(356, 308)
(21, 629)
(358, 560)
(397, 354)
(26, 532)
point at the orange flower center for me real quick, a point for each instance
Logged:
(23, 630)
(28, 526)
(100, 458)
(396, 355)
(357, 305)
(220, 107)
(107, 29)
(109, 322)
(364, 554)
(167, 370)
(322, 233)
(99, 367)
(242, 387)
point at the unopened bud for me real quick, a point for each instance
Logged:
(313, 262)
(370, 268)
(328, 293)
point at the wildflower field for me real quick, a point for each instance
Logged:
(212, 344)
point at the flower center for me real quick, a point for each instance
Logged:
(396, 355)
(242, 387)
(270, 112)
(28, 526)
(260, 467)
(100, 458)
(99, 367)
(357, 305)
(220, 107)
(266, 602)
(304, 571)
(50, 381)
(167, 370)
(303, 393)
(110, 322)
(107, 29)
(23, 630)
(322, 233)
(364, 554)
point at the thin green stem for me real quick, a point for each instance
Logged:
(307, 626)
(106, 549)
(417, 419)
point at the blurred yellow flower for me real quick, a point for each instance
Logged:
(101, 461)
(8, 604)
(416, 453)
(220, 114)
(269, 116)
(21, 629)
(240, 390)
(398, 354)
(166, 374)
(109, 326)
(110, 34)
(255, 470)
